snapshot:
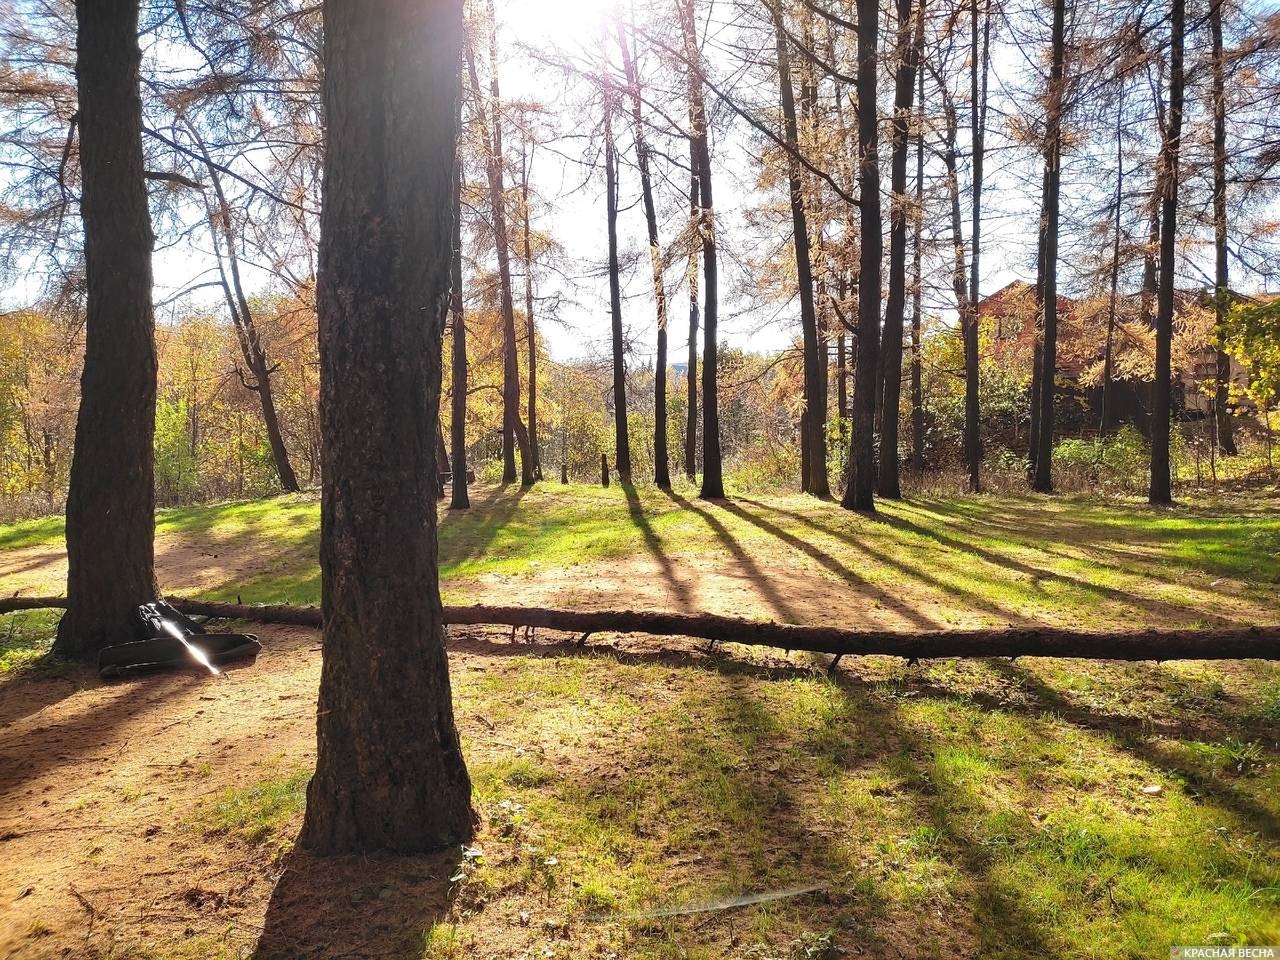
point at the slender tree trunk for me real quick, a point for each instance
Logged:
(860, 494)
(712, 468)
(904, 82)
(691, 370)
(1043, 480)
(512, 429)
(389, 768)
(622, 442)
(917, 275)
(531, 329)
(1222, 386)
(111, 499)
(1161, 480)
(661, 462)
(1108, 357)
(814, 433)
(459, 498)
(979, 60)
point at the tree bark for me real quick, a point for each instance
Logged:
(712, 467)
(111, 498)
(1222, 385)
(661, 458)
(389, 768)
(621, 438)
(814, 479)
(1161, 491)
(860, 492)
(459, 498)
(904, 83)
(1043, 479)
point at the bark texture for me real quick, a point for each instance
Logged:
(111, 499)
(389, 768)
(459, 499)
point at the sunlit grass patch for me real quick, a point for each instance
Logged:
(261, 813)
(25, 638)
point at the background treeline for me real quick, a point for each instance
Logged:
(997, 138)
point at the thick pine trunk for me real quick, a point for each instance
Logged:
(661, 459)
(110, 503)
(1161, 491)
(389, 768)
(621, 437)
(904, 82)
(860, 492)
(712, 467)
(1222, 385)
(459, 498)
(814, 478)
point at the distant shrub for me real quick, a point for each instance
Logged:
(1122, 461)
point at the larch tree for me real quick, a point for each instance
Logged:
(459, 499)
(904, 83)
(622, 441)
(1042, 480)
(813, 439)
(110, 504)
(1161, 489)
(389, 768)
(1224, 428)
(712, 465)
(661, 460)
(860, 492)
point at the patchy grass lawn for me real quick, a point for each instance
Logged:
(976, 809)
(963, 809)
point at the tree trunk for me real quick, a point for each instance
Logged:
(712, 468)
(661, 460)
(1161, 491)
(813, 438)
(492, 136)
(691, 369)
(1220, 643)
(459, 498)
(1222, 386)
(860, 492)
(530, 326)
(111, 498)
(1108, 357)
(389, 768)
(255, 356)
(917, 277)
(621, 439)
(1043, 479)
(904, 83)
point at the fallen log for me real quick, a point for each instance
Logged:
(1218, 643)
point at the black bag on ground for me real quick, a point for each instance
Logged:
(158, 649)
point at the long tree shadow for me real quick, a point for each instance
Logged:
(760, 579)
(365, 906)
(844, 572)
(1131, 734)
(468, 532)
(943, 589)
(653, 543)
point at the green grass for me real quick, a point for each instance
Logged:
(258, 814)
(965, 809)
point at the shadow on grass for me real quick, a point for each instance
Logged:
(366, 906)
(653, 543)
